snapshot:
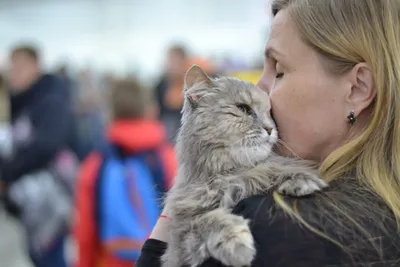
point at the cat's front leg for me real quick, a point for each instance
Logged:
(289, 176)
(301, 184)
(226, 237)
(297, 177)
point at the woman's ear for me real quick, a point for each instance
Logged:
(362, 91)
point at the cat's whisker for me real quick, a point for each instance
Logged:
(240, 141)
(280, 141)
(245, 148)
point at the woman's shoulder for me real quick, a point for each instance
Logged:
(323, 230)
(280, 238)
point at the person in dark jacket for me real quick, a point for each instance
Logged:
(42, 125)
(71, 87)
(169, 90)
(332, 69)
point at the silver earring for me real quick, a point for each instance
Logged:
(352, 118)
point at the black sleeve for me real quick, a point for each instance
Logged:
(51, 119)
(152, 251)
(280, 241)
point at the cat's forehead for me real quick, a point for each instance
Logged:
(243, 92)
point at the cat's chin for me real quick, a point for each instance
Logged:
(267, 138)
(250, 156)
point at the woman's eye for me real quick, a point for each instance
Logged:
(278, 69)
(245, 109)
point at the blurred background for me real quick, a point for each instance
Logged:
(131, 36)
(91, 43)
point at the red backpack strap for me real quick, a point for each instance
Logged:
(168, 158)
(85, 226)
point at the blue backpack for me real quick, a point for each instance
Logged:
(129, 190)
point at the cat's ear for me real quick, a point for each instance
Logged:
(194, 76)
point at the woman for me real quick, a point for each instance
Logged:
(332, 69)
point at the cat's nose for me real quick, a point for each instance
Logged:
(268, 129)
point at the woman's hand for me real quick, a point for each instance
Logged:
(160, 231)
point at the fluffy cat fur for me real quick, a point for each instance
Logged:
(224, 150)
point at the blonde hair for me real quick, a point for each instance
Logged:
(130, 100)
(347, 32)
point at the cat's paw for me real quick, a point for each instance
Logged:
(234, 245)
(302, 184)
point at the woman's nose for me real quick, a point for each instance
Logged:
(264, 83)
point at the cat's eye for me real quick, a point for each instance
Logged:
(245, 109)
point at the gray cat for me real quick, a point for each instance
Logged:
(224, 150)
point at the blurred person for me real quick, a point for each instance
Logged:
(91, 109)
(169, 89)
(5, 127)
(111, 204)
(62, 73)
(32, 177)
(4, 102)
(73, 100)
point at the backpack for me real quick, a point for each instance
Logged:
(129, 190)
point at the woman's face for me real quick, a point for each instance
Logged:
(307, 101)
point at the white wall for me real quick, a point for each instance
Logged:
(116, 34)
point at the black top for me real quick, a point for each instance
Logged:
(46, 107)
(284, 242)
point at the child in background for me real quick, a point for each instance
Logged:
(118, 186)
